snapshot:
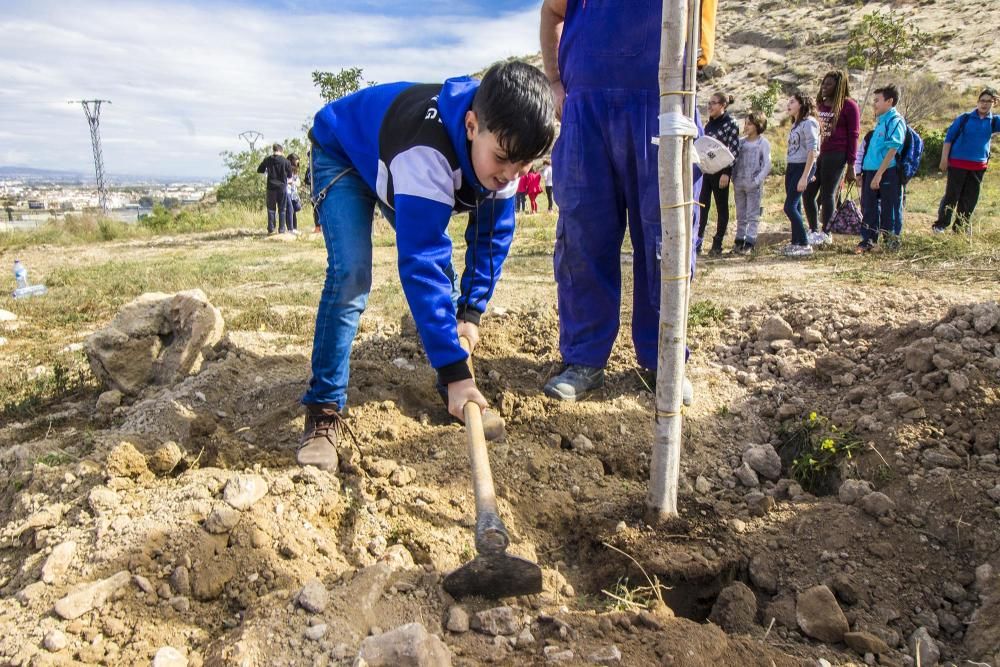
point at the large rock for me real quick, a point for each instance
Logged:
(92, 596)
(764, 460)
(819, 616)
(407, 646)
(775, 328)
(735, 610)
(156, 339)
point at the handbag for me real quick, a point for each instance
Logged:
(847, 218)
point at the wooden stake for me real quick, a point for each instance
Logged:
(677, 58)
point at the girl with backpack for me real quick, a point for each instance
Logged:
(840, 127)
(722, 127)
(803, 147)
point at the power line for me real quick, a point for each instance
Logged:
(92, 108)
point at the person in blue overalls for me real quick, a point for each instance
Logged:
(605, 83)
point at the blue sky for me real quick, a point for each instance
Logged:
(186, 78)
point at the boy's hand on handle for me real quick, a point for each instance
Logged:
(460, 393)
(470, 332)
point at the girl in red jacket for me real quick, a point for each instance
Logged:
(534, 187)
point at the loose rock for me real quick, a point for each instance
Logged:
(819, 615)
(168, 656)
(496, 621)
(131, 354)
(166, 457)
(764, 460)
(735, 610)
(775, 328)
(313, 597)
(90, 597)
(852, 490)
(242, 491)
(406, 646)
(458, 619)
(58, 562)
(55, 640)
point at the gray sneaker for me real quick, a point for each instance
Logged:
(574, 382)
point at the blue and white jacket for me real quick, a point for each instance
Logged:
(408, 142)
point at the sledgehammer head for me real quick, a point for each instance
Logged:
(494, 427)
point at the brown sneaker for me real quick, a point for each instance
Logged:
(318, 446)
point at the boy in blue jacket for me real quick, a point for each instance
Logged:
(421, 152)
(965, 157)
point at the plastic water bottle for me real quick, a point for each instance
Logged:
(20, 274)
(23, 289)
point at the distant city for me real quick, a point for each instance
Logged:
(30, 197)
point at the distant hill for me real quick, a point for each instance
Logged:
(31, 173)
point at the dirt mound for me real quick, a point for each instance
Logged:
(233, 555)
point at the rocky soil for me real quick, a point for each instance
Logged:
(173, 527)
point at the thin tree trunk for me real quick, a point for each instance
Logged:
(675, 263)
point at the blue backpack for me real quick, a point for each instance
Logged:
(908, 160)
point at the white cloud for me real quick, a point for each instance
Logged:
(185, 81)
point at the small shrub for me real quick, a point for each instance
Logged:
(705, 313)
(814, 450)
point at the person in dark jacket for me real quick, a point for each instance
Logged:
(965, 156)
(420, 152)
(720, 126)
(278, 171)
(840, 127)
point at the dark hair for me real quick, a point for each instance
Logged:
(724, 99)
(988, 90)
(759, 121)
(276, 147)
(806, 107)
(888, 92)
(841, 92)
(514, 102)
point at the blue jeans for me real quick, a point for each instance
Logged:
(345, 215)
(882, 209)
(793, 202)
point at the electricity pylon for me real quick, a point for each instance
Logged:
(93, 110)
(251, 137)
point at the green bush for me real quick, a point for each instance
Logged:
(933, 145)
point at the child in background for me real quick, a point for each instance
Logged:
(803, 147)
(521, 205)
(534, 187)
(749, 172)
